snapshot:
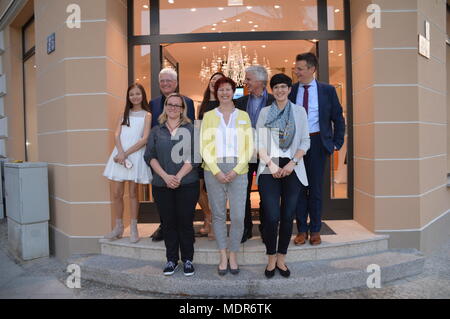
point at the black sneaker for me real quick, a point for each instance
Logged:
(188, 268)
(170, 268)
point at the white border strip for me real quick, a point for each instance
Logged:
(76, 237)
(402, 196)
(75, 131)
(80, 94)
(412, 230)
(398, 159)
(399, 122)
(80, 203)
(399, 85)
(77, 165)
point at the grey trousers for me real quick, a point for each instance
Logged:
(236, 193)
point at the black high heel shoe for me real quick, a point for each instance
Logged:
(269, 273)
(285, 273)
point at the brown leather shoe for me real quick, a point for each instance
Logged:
(301, 239)
(315, 239)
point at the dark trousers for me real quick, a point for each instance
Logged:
(176, 208)
(310, 200)
(248, 224)
(275, 215)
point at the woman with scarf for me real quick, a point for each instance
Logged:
(283, 140)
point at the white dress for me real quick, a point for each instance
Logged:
(140, 172)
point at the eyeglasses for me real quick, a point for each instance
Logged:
(174, 105)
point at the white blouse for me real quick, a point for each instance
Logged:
(226, 140)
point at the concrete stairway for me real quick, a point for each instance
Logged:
(341, 262)
(306, 277)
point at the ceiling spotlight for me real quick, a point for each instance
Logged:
(337, 10)
(214, 29)
(250, 22)
(286, 61)
(255, 26)
(220, 8)
(238, 20)
(249, 7)
(277, 6)
(171, 1)
(224, 21)
(145, 6)
(224, 47)
(263, 46)
(193, 9)
(204, 48)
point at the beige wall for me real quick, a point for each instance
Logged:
(448, 90)
(80, 94)
(400, 125)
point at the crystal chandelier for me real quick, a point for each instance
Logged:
(233, 65)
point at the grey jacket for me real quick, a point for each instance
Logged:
(301, 140)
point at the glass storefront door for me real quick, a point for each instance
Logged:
(195, 37)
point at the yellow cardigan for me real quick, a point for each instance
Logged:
(208, 130)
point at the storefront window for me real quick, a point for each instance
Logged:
(142, 67)
(29, 37)
(338, 78)
(218, 16)
(30, 107)
(198, 61)
(335, 14)
(141, 17)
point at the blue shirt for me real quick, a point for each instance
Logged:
(255, 105)
(313, 105)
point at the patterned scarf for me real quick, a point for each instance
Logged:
(283, 120)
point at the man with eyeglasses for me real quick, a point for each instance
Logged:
(168, 83)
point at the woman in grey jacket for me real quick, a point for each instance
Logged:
(283, 140)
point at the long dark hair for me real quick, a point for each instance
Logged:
(129, 105)
(207, 96)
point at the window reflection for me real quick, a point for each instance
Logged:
(338, 78)
(279, 55)
(335, 14)
(142, 67)
(141, 17)
(218, 16)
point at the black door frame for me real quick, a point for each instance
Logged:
(332, 208)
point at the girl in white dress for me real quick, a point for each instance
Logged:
(126, 162)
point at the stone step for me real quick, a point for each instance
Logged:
(253, 252)
(306, 277)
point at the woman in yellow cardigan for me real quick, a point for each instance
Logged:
(226, 145)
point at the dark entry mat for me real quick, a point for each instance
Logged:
(148, 214)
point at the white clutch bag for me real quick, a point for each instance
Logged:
(128, 164)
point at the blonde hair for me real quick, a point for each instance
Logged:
(183, 116)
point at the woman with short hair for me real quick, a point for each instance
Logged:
(283, 140)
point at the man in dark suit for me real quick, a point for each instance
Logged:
(327, 129)
(256, 79)
(168, 83)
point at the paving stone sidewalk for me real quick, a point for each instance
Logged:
(45, 278)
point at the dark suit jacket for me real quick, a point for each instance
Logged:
(241, 103)
(156, 108)
(330, 112)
